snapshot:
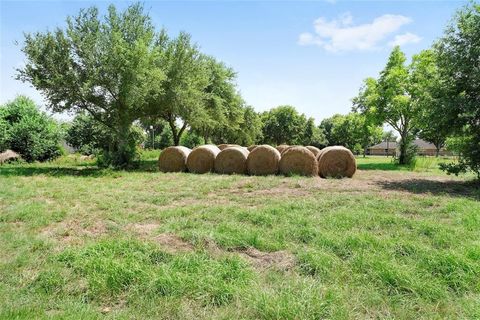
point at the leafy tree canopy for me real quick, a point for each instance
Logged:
(28, 131)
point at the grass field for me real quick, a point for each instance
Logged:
(393, 242)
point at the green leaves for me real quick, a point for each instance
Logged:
(28, 131)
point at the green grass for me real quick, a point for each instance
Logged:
(420, 164)
(81, 242)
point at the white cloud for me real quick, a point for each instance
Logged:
(341, 34)
(403, 39)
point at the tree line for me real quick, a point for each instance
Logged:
(122, 77)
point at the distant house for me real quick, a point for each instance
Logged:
(390, 148)
(384, 148)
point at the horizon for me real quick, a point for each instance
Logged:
(312, 55)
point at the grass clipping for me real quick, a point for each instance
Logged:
(232, 160)
(298, 160)
(263, 160)
(173, 159)
(202, 158)
(336, 162)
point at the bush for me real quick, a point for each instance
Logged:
(468, 147)
(28, 131)
(3, 134)
(116, 158)
(88, 136)
(190, 139)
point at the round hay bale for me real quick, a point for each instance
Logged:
(232, 160)
(263, 160)
(9, 155)
(250, 148)
(336, 162)
(202, 158)
(226, 145)
(288, 147)
(314, 150)
(282, 147)
(298, 160)
(173, 159)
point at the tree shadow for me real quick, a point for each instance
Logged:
(28, 171)
(380, 166)
(463, 189)
(75, 171)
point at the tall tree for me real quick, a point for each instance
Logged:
(428, 94)
(180, 98)
(327, 125)
(458, 54)
(313, 135)
(222, 110)
(247, 132)
(283, 124)
(353, 131)
(388, 100)
(106, 66)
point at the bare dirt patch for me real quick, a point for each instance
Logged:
(72, 231)
(281, 260)
(172, 243)
(144, 229)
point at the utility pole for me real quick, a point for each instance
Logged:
(153, 136)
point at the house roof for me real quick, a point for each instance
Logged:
(383, 145)
(420, 143)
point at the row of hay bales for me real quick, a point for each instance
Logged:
(334, 161)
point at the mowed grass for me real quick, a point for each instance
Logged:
(420, 164)
(79, 242)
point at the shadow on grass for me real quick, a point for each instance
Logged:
(50, 171)
(77, 171)
(464, 189)
(381, 166)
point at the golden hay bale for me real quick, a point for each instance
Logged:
(173, 159)
(263, 160)
(336, 162)
(232, 160)
(250, 148)
(282, 147)
(226, 145)
(288, 147)
(202, 158)
(8, 155)
(314, 150)
(298, 160)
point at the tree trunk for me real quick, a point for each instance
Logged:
(173, 127)
(403, 149)
(122, 154)
(180, 133)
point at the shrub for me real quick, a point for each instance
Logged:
(29, 131)
(469, 149)
(88, 136)
(190, 140)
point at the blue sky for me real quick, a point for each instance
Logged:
(310, 54)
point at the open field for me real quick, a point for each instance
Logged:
(79, 242)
